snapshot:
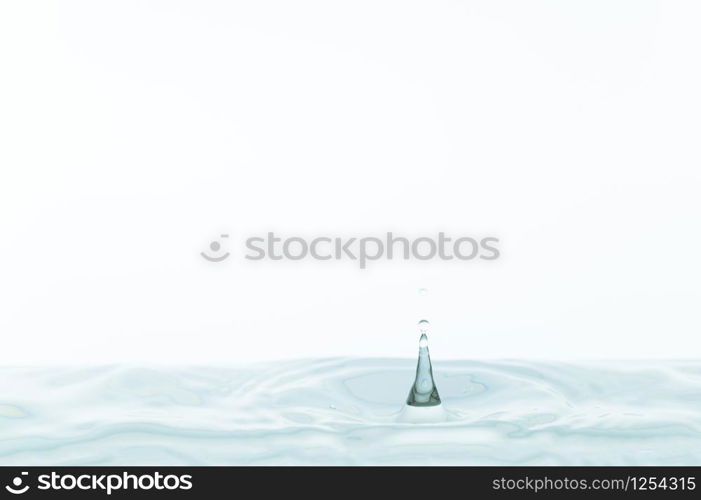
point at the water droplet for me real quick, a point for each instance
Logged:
(424, 326)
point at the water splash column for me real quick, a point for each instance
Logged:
(423, 405)
(424, 391)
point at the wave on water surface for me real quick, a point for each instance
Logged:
(348, 411)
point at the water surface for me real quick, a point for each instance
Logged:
(344, 411)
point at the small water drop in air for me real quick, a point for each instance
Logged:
(424, 325)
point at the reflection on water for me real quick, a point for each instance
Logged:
(344, 411)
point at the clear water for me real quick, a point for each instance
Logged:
(423, 391)
(344, 411)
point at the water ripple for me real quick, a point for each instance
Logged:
(345, 411)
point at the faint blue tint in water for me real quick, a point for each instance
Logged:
(343, 411)
(423, 391)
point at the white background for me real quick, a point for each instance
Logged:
(133, 133)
